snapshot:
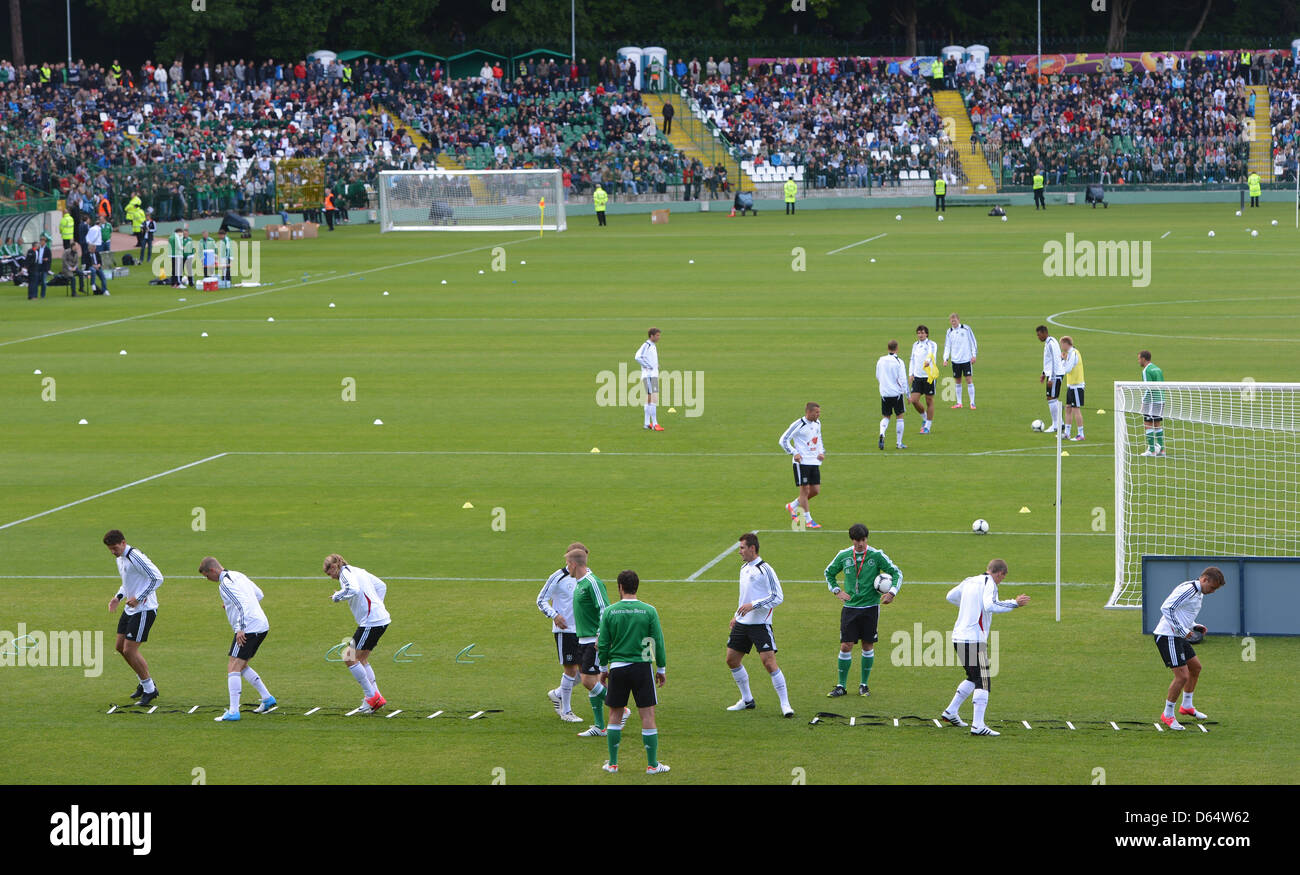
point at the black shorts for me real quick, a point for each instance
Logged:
(1174, 651)
(922, 386)
(859, 624)
(974, 656)
(636, 679)
(807, 475)
(588, 661)
(366, 637)
(1074, 396)
(891, 406)
(960, 369)
(566, 648)
(136, 626)
(745, 636)
(252, 641)
(1053, 388)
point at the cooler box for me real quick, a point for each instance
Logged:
(209, 284)
(659, 217)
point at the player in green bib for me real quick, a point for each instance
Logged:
(860, 615)
(629, 639)
(589, 602)
(1153, 405)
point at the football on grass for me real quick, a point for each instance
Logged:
(980, 527)
(1036, 425)
(884, 583)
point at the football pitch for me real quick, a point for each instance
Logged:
(259, 443)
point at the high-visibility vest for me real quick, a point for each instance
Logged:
(1254, 181)
(1245, 59)
(347, 73)
(937, 70)
(45, 74)
(599, 199)
(940, 187)
(790, 189)
(329, 200)
(116, 70)
(66, 226)
(1038, 181)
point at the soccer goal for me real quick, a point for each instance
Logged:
(1224, 481)
(471, 200)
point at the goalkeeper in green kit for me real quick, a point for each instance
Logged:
(629, 639)
(860, 615)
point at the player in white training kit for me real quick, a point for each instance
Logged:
(959, 345)
(1177, 624)
(648, 358)
(240, 596)
(977, 601)
(925, 372)
(891, 374)
(364, 594)
(139, 589)
(751, 626)
(556, 602)
(1053, 372)
(803, 440)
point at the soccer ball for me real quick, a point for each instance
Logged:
(941, 218)
(1211, 233)
(898, 218)
(980, 527)
(1239, 213)
(1254, 233)
(1275, 223)
(884, 583)
(1036, 425)
(1004, 218)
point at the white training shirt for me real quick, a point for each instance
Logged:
(1179, 611)
(977, 601)
(140, 581)
(959, 344)
(804, 438)
(1071, 362)
(648, 358)
(558, 592)
(759, 585)
(922, 350)
(240, 597)
(364, 593)
(1052, 364)
(891, 374)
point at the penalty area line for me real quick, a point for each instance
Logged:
(714, 561)
(859, 243)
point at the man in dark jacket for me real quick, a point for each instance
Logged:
(39, 260)
(668, 118)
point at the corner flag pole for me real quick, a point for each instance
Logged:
(541, 215)
(1058, 523)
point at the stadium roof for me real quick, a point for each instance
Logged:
(416, 54)
(353, 54)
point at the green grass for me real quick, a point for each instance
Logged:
(487, 390)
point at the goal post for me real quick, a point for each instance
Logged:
(1225, 479)
(471, 200)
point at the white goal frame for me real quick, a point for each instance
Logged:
(515, 211)
(1231, 474)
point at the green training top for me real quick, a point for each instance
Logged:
(589, 600)
(630, 632)
(860, 575)
(1152, 374)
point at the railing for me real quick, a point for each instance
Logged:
(706, 136)
(1079, 163)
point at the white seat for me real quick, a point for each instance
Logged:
(925, 174)
(916, 149)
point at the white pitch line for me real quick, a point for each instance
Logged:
(434, 714)
(714, 561)
(392, 715)
(476, 714)
(286, 286)
(312, 711)
(1026, 723)
(192, 710)
(1011, 452)
(859, 243)
(946, 532)
(109, 492)
(821, 580)
(1069, 724)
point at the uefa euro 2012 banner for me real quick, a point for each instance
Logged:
(1071, 64)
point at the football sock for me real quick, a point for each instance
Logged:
(359, 672)
(964, 689)
(981, 702)
(1151, 440)
(256, 680)
(807, 515)
(898, 430)
(148, 685)
(928, 422)
(1080, 431)
(970, 388)
(842, 665)
(1160, 438)
(234, 683)
(1055, 407)
(778, 684)
(741, 677)
(868, 660)
(597, 699)
(650, 738)
(614, 735)
(1187, 700)
(654, 413)
(1169, 708)
(647, 414)
(370, 676)
(795, 503)
(566, 693)
(1067, 431)
(884, 424)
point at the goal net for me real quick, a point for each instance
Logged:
(1224, 481)
(471, 200)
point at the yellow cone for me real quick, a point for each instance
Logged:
(1024, 510)
(1065, 452)
(1101, 411)
(672, 409)
(595, 449)
(466, 505)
